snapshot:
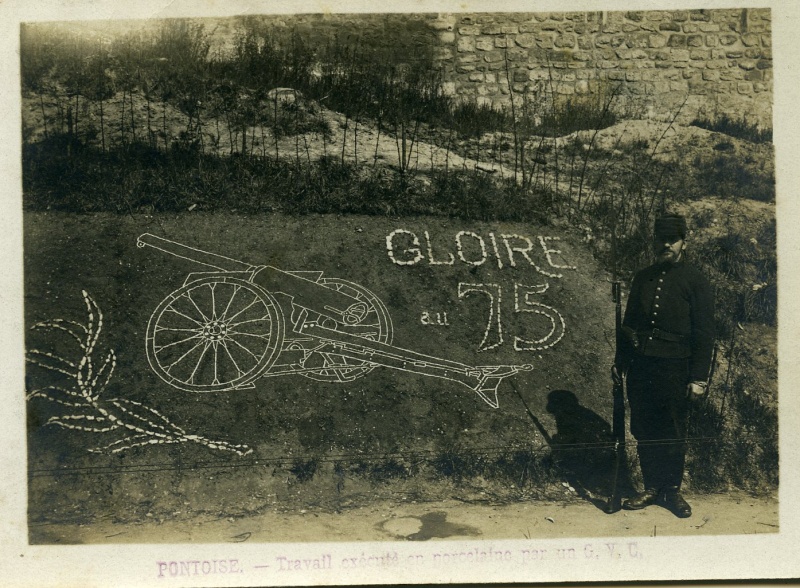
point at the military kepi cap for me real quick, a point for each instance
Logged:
(670, 225)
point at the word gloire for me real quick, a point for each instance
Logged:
(405, 248)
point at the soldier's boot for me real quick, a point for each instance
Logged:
(674, 502)
(641, 500)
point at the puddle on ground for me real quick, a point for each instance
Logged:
(427, 526)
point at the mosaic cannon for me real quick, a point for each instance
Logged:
(224, 329)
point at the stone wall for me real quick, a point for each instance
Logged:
(710, 61)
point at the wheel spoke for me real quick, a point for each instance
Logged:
(186, 316)
(213, 300)
(177, 330)
(162, 347)
(255, 299)
(236, 289)
(246, 349)
(249, 334)
(263, 318)
(236, 365)
(202, 314)
(199, 361)
(182, 357)
(215, 345)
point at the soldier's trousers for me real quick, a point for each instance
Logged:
(659, 413)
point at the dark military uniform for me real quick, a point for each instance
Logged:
(668, 341)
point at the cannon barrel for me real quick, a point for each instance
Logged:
(306, 293)
(220, 262)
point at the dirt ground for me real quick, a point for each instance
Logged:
(715, 514)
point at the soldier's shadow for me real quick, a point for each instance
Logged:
(583, 448)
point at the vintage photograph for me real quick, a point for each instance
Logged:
(463, 282)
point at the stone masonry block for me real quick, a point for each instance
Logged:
(744, 87)
(764, 64)
(709, 27)
(565, 41)
(718, 54)
(700, 15)
(466, 45)
(676, 41)
(717, 64)
(587, 28)
(750, 39)
(517, 55)
(694, 40)
(629, 27)
(602, 40)
(752, 52)
(690, 27)
(670, 26)
(502, 42)
(699, 54)
(476, 76)
(760, 14)
(760, 87)
(493, 56)
(611, 28)
(712, 40)
(656, 41)
(491, 29)
(541, 16)
(640, 40)
(635, 15)
(465, 68)
(759, 27)
(447, 38)
(747, 64)
(680, 15)
(766, 40)
(467, 58)
(754, 76)
(679, 55)
(525, 40)
(470, 30)
(728, 39)
(585, 42)
(484, 43)
(697, 88)
(529, 27)
(443, 24)
(619, 40)
(711, 75)
(661, 87)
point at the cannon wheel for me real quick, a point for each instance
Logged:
(214, 334)
(336, 368)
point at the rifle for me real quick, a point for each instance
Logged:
(618, 392)
(618, 420)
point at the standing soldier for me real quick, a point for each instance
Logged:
(665, 354)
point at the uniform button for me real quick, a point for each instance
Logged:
(649, 338)
(656, 305)
(661, 280)
(657, 296)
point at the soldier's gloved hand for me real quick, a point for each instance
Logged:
(616, 375)
(696, 389)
